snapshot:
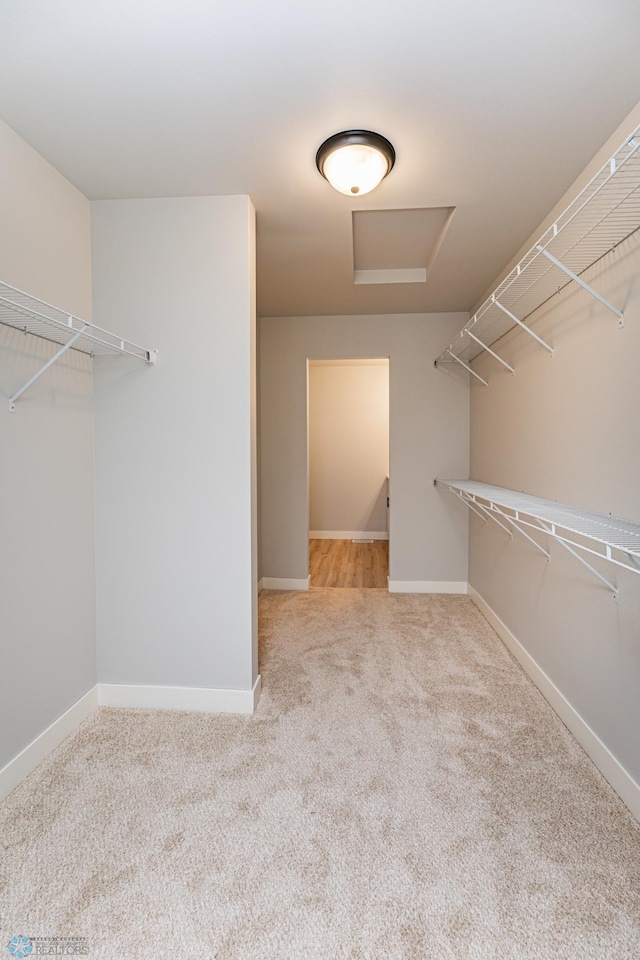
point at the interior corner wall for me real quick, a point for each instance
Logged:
(175, 444)
(565, 429)
(258, 456)
(47, 582)
(429, 437)
(348, 447)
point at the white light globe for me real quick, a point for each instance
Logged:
(355, 169)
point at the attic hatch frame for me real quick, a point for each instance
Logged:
(26, 313)
(604, 214)
(567, 525)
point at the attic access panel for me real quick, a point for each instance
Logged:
(397, 246)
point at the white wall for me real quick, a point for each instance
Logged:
(348, 446)
(428, 415)
(47, 592)
(175, 444)
(566, 429)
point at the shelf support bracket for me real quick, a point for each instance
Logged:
(494, 509)
(523, 532)
(467, 367)
(515, 319)
(489, 350)
(575, 554)
(490, 514)
(469, 503)
(634, 560)
(49, 363)
(585, 286)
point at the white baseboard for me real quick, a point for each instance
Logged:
(283, 583)
(123, 695)
(260, 584)
(201, 699)
(348, 535)
(428, 586)
(611, 768)
(40, 748)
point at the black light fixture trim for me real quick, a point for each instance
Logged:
(347, 137)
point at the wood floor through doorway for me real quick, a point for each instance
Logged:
(342, 563)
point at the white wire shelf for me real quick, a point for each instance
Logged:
(28, 314)
(610, 538)
(604, 214)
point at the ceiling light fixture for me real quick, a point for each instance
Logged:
(355, 161)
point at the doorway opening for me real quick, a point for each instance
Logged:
(348, 470)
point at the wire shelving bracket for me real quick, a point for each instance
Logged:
(601, 216)
(26, 313)
(609, 538)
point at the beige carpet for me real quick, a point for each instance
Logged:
(402, 792)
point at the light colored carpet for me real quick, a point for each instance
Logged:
(402, 792)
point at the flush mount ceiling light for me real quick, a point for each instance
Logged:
(355, 161)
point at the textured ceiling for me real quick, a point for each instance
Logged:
(493, 109)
